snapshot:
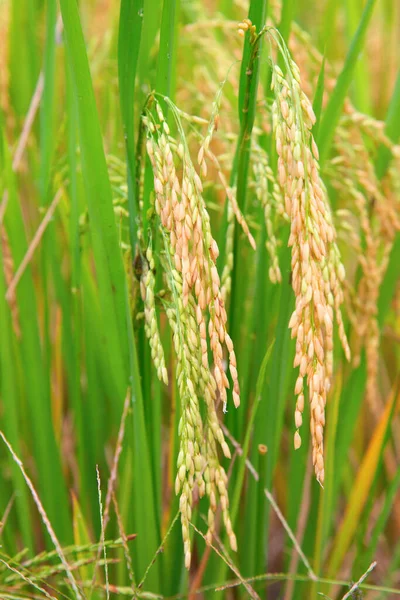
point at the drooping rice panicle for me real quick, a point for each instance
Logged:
(317, 271)
(198, 319)
(371, 234)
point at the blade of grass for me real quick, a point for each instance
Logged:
(81, 537)
(287, 15)
(166, 57)
(152, 11)
(360, 92)
(334, 108)
(47, 104)
(24, 59)
(269, 426)
(328, 26)
(130, 30)
(109, 268)
(76, 360)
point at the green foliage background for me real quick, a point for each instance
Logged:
(77, 351)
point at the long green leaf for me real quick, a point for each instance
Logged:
(335, 104)
(109, 268)
(287, 15)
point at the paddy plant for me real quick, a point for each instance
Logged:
(199, 214)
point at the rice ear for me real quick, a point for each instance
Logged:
(317, 271)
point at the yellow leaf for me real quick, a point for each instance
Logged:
(361, 489)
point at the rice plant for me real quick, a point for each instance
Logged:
(199, 299)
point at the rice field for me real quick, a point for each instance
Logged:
(199, 299)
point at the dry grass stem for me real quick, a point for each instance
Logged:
(356, 586)
(103, 538)
(45, 519)
(27, 579)
(10, 294)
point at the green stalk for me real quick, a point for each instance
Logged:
(46, 152)
(130, 30)
(165, 85)
(260, 548)
(247, 106)
(47, 104)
